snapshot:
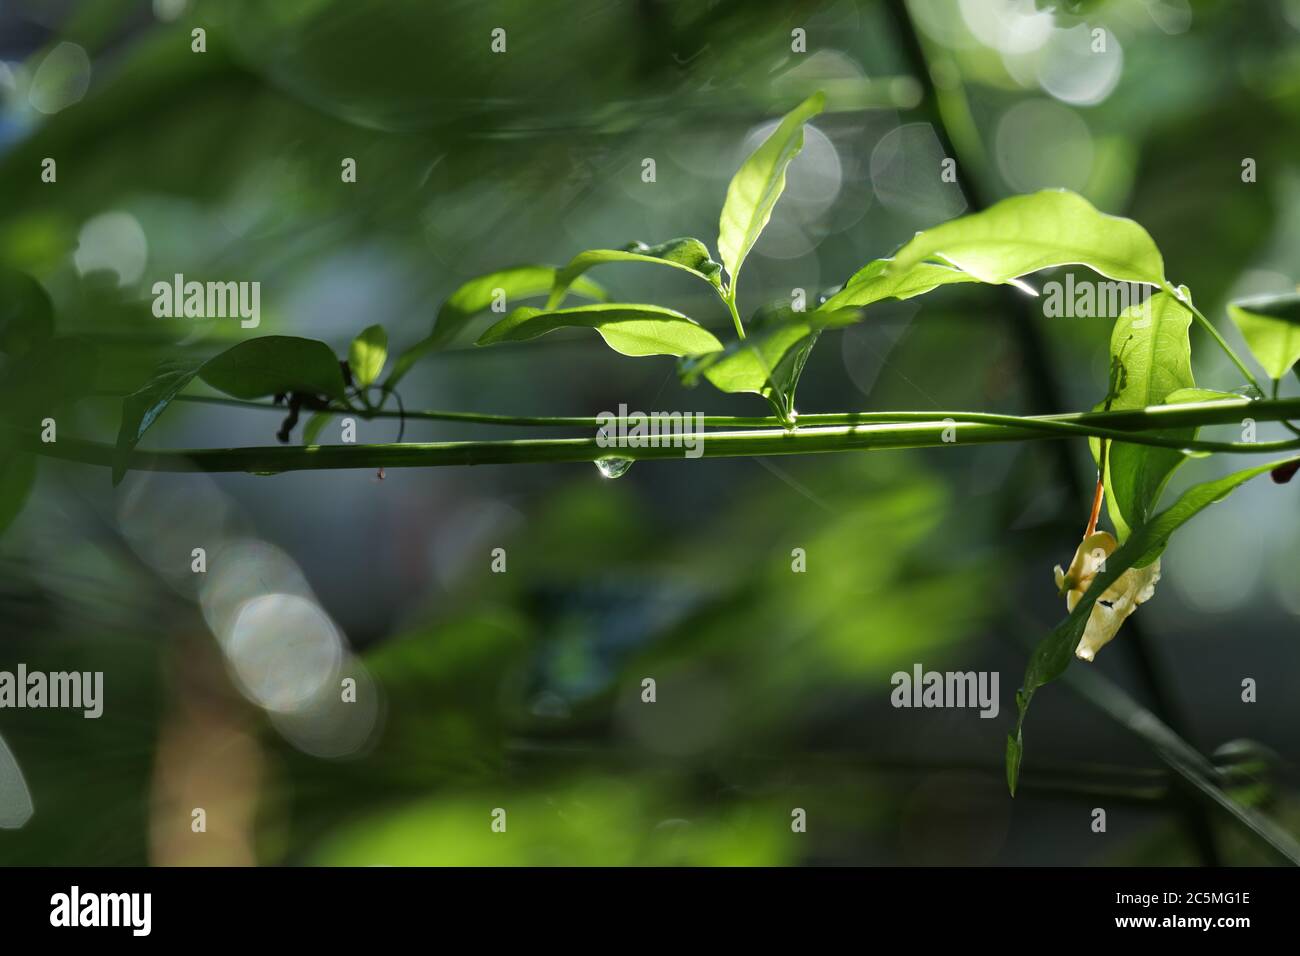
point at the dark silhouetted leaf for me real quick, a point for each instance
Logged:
(274, 364)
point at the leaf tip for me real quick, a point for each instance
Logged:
(1015, 748)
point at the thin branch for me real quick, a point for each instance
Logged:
(924, 431)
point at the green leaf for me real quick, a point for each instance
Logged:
(1188, 396)
(17, 476)
(1015, 750)
(26, 313)
(688, 255)
(1146, 543)
(142, 407)
(274, 364)
(770, 360)
(1041, 230)
(1150, 341)
(629, 329)
(480, 294)
(758, 184)
(311, 431)
(367, 354)
(1271, 327)
(879, 280)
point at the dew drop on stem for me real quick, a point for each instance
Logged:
(613, 467)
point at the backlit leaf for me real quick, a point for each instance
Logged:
(1151, 343)
(687, 255)
(480, 294)
(877, 280)
(758, 184)
(1024, 234)
(367, 354)
(1271, 327)
(629, 329)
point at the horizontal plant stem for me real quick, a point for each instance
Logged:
(1223, 412)
(924, 430)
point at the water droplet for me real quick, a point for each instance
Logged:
(1250, 391)
(613, 467)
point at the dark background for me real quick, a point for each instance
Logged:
(522, 690)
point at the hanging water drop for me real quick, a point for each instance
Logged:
(613, 467)
(1250, 391)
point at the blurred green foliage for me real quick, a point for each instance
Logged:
(522, 690)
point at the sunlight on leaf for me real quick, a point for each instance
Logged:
(877, 280)
(758, 184)
(629, 329)
(478, 295)
(687, 255)
(367, 354)
(770, 360)
(1024, 234)
(1151, 343)
(1271, 327)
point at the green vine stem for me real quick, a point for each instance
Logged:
(896, 430)
(1224, 412)
(1214, 334)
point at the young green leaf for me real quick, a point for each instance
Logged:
(273, 364)
(1271, 326)
(480, 294)
(688, 255)
(766, 363)
(1187, 396)
(877, 280)
(1150, 341)
(1146, 543)
(1015, 750)
(367, 354)
(1024, 234)
(770, 360)
(629, 329)
(142, 407)
(758, 184)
